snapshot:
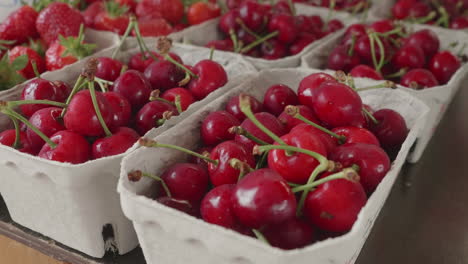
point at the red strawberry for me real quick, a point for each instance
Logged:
(171, 10)
(28, 71)
(131, 4)
(58, 19)
(113, 18)
(67, 51)
(154, 27)
(91, 12)
(19, 25)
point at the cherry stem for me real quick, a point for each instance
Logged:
(92, 92)
(165, 116)
(382, 52)
(130, 26)
(261, 163)
(243, 167)
(238, 130)
(395, 31)
(212, 50)
(369, 114)
(15, 115)
(365, 14)
(78, 84)
(153, 144)
(17, 143)
(178, 104)
(247, 29)
(353, 43)
(159, 179)
(444, 17)
(347, 174)
(331, 9)
(292, 8)
(260, 236)
(26, 102)
(424, 20)
(36, 71)
(323, 166)
(386, 84)
(462, 50)
(234, 40)
(244, 104)
(372, 45)
(317, 156)
(258, 42)
(170, 59)
(124, 69)
(294, 112)
(397, 74)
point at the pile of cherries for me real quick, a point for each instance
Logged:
(269, 31)
(445, 13)
(384, 50)
(80, 124)
(286, 169)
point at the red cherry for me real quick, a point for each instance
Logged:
(81, 116)
(263, 198)
(336, 104)
(410, 57)
(71, 148)
(291, 234)
(211, 76)
(356, 135)
(223, 172)
(304, 40)
(134, 87)
(296, 168)
(401, 8)
(41, 89)
(273, 50)
(47, 120)
(120, 107)
(186, 181)
(179, 205)
(163, 75)
(363, 49)
(120, 141)
(286, 27)
(310, 84)
(171, 10)
(443, 65)
(215, 127)
(335, 205)
(228, 22)
(290, 122)
(340, 59)
(419, 9)
(150, 115)
(426, 39)
(269, 121)
(8, 138)
(141, 61)
(221, 44)
(383, 26)
(277, 97)
(216, 207)
(245, 37)
(328, 142)
(233, 107)
(459, 23)
(199, 161)
(108, 69)
(334, 25)
(373, 162)
(391, 129)
(364, 71)
(186, 97)
(419, 79)
(357, 30)
(252, 14)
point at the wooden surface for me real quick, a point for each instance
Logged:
(13, 252)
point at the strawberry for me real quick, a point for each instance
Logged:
(114, 18)
(154, 27)
(19, 25)
(171, 10)
(91, 12)
(33, 57)
(58, 19)
(9, 75)
(67, 50)
(131, 4)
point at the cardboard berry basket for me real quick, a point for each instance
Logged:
(437, 98)
(168, 236)
(208, 31)
(77, 205)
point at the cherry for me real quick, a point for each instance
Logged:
(227, 22)
(221, 44)
(211, 76)
(334, 25)
(297, 167)
(305, 24)
(419, 9)
(121, 140)
(391, 129)
(290, 122)
(186, 181)
(336, 104)
(286, 27)
(186, 97)
(459, 23)
(245, 36)
(304, 40)
(215, 127)
(216, 207)
(202, 11)
(410, 57)
(199, 161)
(273, 50)
(41, 89)
(71, 148)
(309, 85)
(443, 65)
(81, 116)
(291, 234)
(152, 115)
(222, 172)
(8, 138)
(382, 26)
(47, 120)
(356, 135)
(120, 107)
(373, 162)
(426, 39)
(340, 59)
(134, 87)
(356, 30)
(179, 205)
(334, 206)
(401, 8)
(277, 97)
(263, 198)
(233, 107)
(363, 49)
(252, 14)
(365, 71)
(163, 75)
(269, 121)
(140, 61)
(108, 69)
(328, 142)
(419, 79)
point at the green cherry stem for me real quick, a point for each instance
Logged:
(17, 143)
(397, 74)
(13, 104)
(348, 174)
(36, 71)
(386, 84)
(262, 162)
(353, 44)
(178, 104)
(369, 114)
(372, 45)
(241, 166)
(234, 40)
(130, 26)
(258, 42)
(382, 52)
(424, 20)
(176, 63)
(159, 179)
(260, 236)
(319, 169)
(78, 85)
(331, 9)
(320, 158)
(92, 92)
(292, 8)
(238, 130)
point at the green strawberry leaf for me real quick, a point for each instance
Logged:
(8, 76)
(20, 62)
